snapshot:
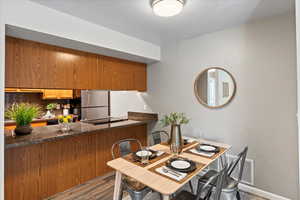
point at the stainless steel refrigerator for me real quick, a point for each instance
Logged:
(94, 104)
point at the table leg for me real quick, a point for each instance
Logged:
(117, 189)
(166, 197)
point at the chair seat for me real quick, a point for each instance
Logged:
(133, 184)
(185, 195)
(229, 184)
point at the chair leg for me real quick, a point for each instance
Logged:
(238, 195)
(161, 196)
(191, 187)
(121, 194)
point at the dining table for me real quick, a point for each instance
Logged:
(165, 185)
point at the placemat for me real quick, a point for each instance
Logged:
(222, 150)
(199, 167)
(184, 146)
(131, 159)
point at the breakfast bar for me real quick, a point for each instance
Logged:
(48, 161)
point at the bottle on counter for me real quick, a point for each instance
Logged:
(65, 110)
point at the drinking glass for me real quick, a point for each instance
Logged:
(145, 155)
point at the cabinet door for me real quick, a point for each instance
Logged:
(31, 70)
(66, 94)
(12, 60)
(64, 69)
(117, 75)
(87, 72)
(23, 67)
(48, 56)
(140, 77)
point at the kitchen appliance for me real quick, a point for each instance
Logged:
(94, 105)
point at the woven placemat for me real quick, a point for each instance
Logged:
(131, 159)
(184, 146)
(199, 167)
(222, 150)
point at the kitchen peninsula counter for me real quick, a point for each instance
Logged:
(48, 161)
(52, 133)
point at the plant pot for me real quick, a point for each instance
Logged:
(23, 130)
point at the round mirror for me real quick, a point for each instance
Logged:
(215, 87)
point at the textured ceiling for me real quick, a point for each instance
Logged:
(135, 17)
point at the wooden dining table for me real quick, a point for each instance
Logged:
(159, 183)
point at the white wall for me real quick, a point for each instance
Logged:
(298, 76)
(124, 101)
(262, 58)
(2, 57)
(33, 16)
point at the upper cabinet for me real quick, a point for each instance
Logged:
(36, 65)
(124, 75)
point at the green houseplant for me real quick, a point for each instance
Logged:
(23, 114)
(175, 120)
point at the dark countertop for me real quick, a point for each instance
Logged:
(12, 122)
(51, 133)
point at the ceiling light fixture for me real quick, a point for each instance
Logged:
(167, 8)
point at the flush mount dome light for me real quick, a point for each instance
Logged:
(167, 8)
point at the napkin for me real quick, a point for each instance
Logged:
(170, 175)
(202, 153)
(159, 153)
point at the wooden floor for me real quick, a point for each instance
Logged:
(102, 189)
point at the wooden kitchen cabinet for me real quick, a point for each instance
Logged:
(120, 75)
(88, 72)
(35, 65)
(12, 57)
(38, 171)
(124, 75)
(58, 94)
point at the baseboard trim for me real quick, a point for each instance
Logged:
(261, 193)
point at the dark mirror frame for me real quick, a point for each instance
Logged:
(204, 103)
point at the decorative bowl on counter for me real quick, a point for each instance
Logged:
(64, 122)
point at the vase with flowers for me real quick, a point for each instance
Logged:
(175, 120)
(64, 122)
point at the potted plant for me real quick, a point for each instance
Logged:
(23, 114)
(175, 120)
(50, 107)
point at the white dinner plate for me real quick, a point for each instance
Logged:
(180, 164)
(143, 153)
(207, 148)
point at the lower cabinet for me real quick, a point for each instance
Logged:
(41, 170)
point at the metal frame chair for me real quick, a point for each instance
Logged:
(136, 190)
(125, 146)
(204, 191)
(230, 187)
(156, 136)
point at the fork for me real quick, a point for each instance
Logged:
(165, 170)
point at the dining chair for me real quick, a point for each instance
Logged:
(160, 136)
(135, 189)
(230, 188)
(204, 191)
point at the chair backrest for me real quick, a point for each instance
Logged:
(125, 147)
(239, 160)
(217, 180)
(157, 136)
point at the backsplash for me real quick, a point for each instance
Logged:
(36, 98)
